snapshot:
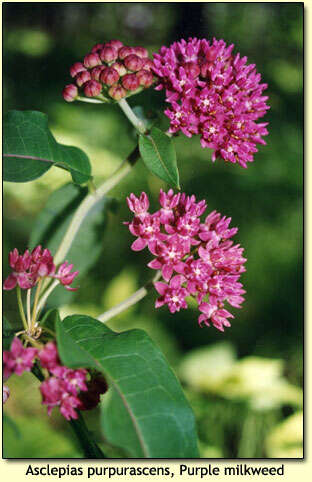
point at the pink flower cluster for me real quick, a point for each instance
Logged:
(196, 258)
(111, 68)
(30, 266)
(215, 94)
(63, 388)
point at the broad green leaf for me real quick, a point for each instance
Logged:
(158, 152)
(51, 225)
(146, 412)
(29, 149)
(8, 333)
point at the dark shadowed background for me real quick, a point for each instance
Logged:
(41, 42)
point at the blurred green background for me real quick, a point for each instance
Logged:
(244, 385)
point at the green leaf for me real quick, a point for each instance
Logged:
(158, 152)
(52, 223)
(29, 149)
(146, 412)
(8, 333)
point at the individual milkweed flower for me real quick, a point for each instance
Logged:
(18, 359)
(215, 94)
(196, 258)
(65, 276)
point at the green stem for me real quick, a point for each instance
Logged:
(90, 449)
(20, 307)
(124, 305)
(34, 312)
(89, 201)
(91, 101)
(135, 121)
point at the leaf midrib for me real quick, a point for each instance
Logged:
(124, 401)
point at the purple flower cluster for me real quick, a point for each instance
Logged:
(30, 266)
(215, 94)
(112, 68)
(196, 258)
(64, 388)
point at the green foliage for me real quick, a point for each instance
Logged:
(30, 150)
(8, 333)
(158, 152)
(26, 439)
(146, 412)
(53, 221)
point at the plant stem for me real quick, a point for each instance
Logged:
(89, 201)
(33, 319)
(91, 101)
(28, 295)
(135, 121)
(45, 296)
(90, 449)
(124, 305)
(20, 307)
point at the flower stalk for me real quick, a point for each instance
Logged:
(135, 121)
(132, 300)
(90, 200)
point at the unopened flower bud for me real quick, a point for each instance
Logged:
(115, 43)
(140, 52)
(147, 64)
(109, 76)
(145, 78)
(96, 48)
(76, 69)
(124, 52)
(82, 78)
(108, 54)
(133, 62)
(121, 69)
(92, 60)
(130, 82)
(117, 92)
(92, 88)
(70, 92)
(96, 72)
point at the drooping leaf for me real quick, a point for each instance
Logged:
(29, 149)
(52, 223)
(145, 411)
(8, 333)
(158, 152)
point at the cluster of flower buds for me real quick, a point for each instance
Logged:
(29, 267)
(214, 94)
(196, 258)
(64, 388)
(113, 70)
